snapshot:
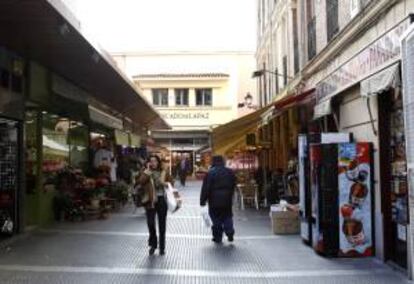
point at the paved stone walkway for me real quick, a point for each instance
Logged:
(115, 251)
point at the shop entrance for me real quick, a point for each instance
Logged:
(9, 175)
(394, 177)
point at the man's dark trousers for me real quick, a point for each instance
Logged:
(222, 222)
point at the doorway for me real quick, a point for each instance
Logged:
(394, 185)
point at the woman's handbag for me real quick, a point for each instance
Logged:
(173, 197)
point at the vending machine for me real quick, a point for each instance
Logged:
(305, 199)
(341, 190)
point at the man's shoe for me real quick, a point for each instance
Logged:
(230, 238)
(162, 252)
(216, 241)
(151, 251)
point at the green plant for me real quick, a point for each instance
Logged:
(118, 191)
(96, 193)
(62, 204)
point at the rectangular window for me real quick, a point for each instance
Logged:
(332, 18)
(160, 97)
(311, 19)
(295, 41)
(276, 81)
(204, 97)
(264, 84)
(285, 70)
(181, 97)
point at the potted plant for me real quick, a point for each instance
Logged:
(119, 192)
(96, 195)
(62, 205)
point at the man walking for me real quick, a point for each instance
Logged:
(218, 190)
(183, 170)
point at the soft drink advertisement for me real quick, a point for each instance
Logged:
(315, 160)
(355, 223)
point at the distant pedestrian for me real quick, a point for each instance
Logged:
(218, 190)
(153, 182)
(183, 170)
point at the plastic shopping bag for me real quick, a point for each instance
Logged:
(174, 201)
(206, 217)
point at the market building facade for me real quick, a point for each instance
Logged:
(194, 92)
(59, 94)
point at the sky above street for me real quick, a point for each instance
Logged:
(158, 25)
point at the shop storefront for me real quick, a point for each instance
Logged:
(279, 132)
(363, 97)
(11, 143)
(47, 114)
(407, 110)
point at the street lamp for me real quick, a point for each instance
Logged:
(248, 102)
(260, 73)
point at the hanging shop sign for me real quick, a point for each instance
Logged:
(382, 81)
(188, 115)
(134, 140)
(105, 119)
(121, 138)
(383, 51)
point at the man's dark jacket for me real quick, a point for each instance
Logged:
(218, 188)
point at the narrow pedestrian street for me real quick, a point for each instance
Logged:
(115, 251)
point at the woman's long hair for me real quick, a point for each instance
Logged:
(159, 168)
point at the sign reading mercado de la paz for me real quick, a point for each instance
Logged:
(188, 115)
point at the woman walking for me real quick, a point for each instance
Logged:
(153, 182)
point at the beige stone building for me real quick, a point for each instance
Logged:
(341, 52)
(194, 92)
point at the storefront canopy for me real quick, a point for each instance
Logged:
(233, 134)
(46, 32)
(293, 100)
(382, 81)
(322, 109)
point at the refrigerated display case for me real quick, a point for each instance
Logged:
(305, 199)
(341, 186)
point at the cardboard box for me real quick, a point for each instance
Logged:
(285, 222)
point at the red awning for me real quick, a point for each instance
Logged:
(292, 100)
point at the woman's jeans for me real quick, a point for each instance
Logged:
(160, 210)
